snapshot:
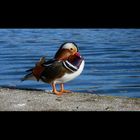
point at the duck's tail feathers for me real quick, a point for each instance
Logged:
(29, 76)
(29, 70)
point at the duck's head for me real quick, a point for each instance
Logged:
(66, 50)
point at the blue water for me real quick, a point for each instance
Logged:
(112, 58)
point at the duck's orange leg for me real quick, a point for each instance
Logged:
(55, 91)
(63, 90)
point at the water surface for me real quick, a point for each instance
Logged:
(112, 58)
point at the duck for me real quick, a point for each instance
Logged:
(66, 65)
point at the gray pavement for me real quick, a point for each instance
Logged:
(32, 100)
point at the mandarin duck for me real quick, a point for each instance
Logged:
(66, 65)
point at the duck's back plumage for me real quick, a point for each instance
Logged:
(55, 71)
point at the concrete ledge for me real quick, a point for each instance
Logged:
(33, 100)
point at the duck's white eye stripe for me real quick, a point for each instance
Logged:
(68, 46)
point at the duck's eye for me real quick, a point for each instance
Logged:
(71, 49)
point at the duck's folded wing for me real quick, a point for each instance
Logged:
(35, 72)
(50, 70)
(49, 63)
(53, 71)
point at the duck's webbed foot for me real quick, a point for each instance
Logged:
(55, 91)
(63, 90)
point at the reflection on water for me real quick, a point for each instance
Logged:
(112, 58)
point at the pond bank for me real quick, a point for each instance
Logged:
(33, 100)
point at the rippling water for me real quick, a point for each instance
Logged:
(112, 58)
